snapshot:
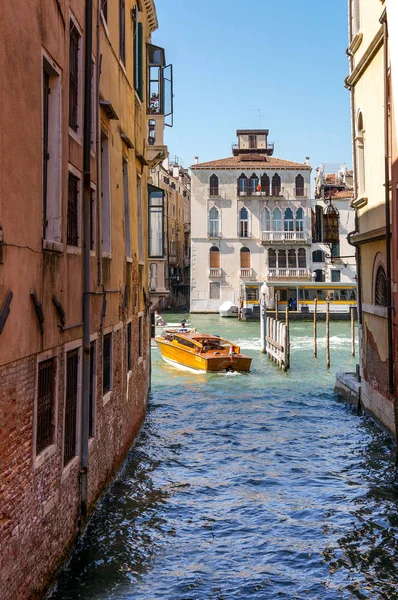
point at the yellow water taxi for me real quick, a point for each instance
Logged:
(201, 352)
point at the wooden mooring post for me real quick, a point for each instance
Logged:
(278, 346)
(327, 335)
(352, 310)
(315, 333)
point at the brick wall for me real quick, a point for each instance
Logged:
(39, 498)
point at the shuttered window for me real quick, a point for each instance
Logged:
(74, 39)
(138, 65)
(72, 233)
(214, 258)
(72, 358)
(245, 258)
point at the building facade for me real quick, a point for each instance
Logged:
(170, 240)
(251, 222)
(375, 235)
(82, 124)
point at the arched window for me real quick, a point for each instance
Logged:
(244, 258)
(214, 222)
(214, 185)
(299, 219)
(242, 185)
(299, 185)
(276, 220)
(271, 258)
(276, 185)
(265, 184)
(214, 257)
(381, 297)
(360, 146)
(288, 221)
(302, 258)
(253, 183)
(318, 256)
(281, 259)
(265, 220)
(243, 223)
(292, 259)
(319, 275)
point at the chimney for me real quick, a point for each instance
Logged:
(307, 160)
(196, 160)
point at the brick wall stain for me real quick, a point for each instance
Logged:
(40, 500)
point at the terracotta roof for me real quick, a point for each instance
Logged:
(342, 194)
(251, 161)
(330, 178)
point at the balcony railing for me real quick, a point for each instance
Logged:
(249, 193)
(246, 273)
(301, 273)
(215, 272)
(284, 236)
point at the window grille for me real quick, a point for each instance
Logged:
(74, 39)
(107, 363)
(45, 405)
(129, 349)
(92, 393)
(72, 236)
(70, 405)
(381, 288)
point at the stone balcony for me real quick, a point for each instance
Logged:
(285, 237)
(301, 273)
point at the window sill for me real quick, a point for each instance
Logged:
(107, 255)
(140, 360)
(69, 467)
(75, 136)
(74, 250)
(142, 263)
(45, 455)
(106, 398)
(129, 259)
(373, 309)
(355, 42)
(92, 253)
(359, 202)
(53, 246)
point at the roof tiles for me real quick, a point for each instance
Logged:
(251, 161)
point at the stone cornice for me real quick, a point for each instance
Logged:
(151, 14)
(366, 59)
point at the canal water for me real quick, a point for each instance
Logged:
(247, 486)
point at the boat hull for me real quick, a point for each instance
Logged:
(200, 362)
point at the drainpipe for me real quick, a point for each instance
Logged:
(86, 258)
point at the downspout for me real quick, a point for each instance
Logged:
(86, 258)
(98, 149)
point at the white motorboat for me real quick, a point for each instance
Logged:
(228, 309)
(172, 328)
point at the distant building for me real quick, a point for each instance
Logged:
(373, 66)
(251, 222)
(169, 235)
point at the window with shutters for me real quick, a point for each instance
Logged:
(156, 222)
(45, 421)
(265, 184)
(105, 194)
(122, 30)
(129, 355)
(92, 389)
(107, 364)
(214, 258)
(51, 151)
(73, 213)
(70, 427)
(138, 56)
(317, 219)
(299, 185)
(126, 197)
(276, 185)
(252, 141)
(245, 258)
(74, 76)
(140, 220)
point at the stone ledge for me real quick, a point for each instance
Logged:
(348, 387)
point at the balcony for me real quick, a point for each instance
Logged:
(215, 272)
(257, 194)
(246, 273)
(301, 273)
(214, 192)
(301, 237)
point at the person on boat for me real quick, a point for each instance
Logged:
(182, 329)
(158, 319)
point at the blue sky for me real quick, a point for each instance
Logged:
(286, 58)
